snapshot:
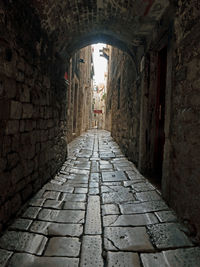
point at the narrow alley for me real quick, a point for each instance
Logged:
(97, 211)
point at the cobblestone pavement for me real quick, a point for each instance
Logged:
(98, 211)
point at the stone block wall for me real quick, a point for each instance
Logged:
(32, 108)
(181, 181)
(123, 102)
(79, 93)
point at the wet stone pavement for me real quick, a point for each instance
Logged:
(97, 211)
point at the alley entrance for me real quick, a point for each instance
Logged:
(97, 211)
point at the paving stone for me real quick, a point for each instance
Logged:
(128, 239)
(123, 259)
(105, 166)
(148, 196)
(130, 220)
(166, 216)
(78, 171)
(59, 188)
(113, 176)
(116, 197)
(112, 183)
(4, 257)
(27, 260)
(93, 184)
(94, 191)
(73, 182)
(51, 195)
(74, 205)
(82, 165)
(109, 209)
(94, 177)
(78, 177)
(37, 202)
(168, 235)
(31, 212)
(135, 175)
(74, 230)
(21, 224)
(23, 241)
(40, 227)
(54, 204)
(93, 216)
(142, 187)
(106, 155)
(75, 185)
(62, 216)
(91, 254)
(63, 246)
(57, 229)
(143, 207)
(74, 197)
(188, 257)
(81, 190)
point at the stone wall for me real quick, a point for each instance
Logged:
(32, 108)
(181, 185)
(80, 93)
(123, 102)
(133, 118)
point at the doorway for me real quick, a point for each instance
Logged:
(160, 114)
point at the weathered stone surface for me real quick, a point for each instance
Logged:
(91, 253)
(63, 188)
(74, 206)
(116, 197)
(63, 246)
(80, 190)
(128, 239)
(143, 207)
(51, 195)
(130, 220)
(74, 197)
(148, 196)
(168, 235)
(4, 256)
(27, 260)
(120, 259)
(62, 216)
(54, 204)
(93, 216)
(93, 191)
(31, 212)
(24, 242)
(21, 224)
(113, 176)
(140, 187)
(166, 216)
(109, 209)
(179, 257)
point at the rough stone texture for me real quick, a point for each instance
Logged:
(91, 254)
(24, 242)
(63, 246)
(93, 216)
(4, 256)
(128, 239)
(180, 257)
(168, 235)
(119, 259)
(27, 260)
(61, 233)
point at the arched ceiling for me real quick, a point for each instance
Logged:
(72, 24)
